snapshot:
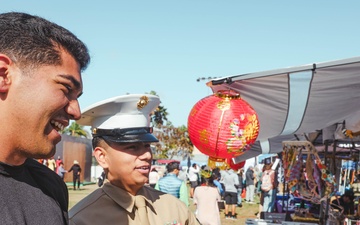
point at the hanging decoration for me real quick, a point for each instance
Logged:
(350, 133)
(217, 163)
(300, 157)
(224, 164)
(223, 125)
(234, 166)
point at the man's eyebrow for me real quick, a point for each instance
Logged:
(75, 82)
(72, 79)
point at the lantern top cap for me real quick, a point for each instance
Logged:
(122, 119)
(228, 94)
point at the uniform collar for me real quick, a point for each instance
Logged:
(124, 198)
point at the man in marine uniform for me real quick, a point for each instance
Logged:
(121, 140)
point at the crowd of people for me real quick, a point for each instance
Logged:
(205, 187)
(209, 186)
(58, 167)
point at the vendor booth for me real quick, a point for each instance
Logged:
(294, 101)
(296, 107)
(310, 189)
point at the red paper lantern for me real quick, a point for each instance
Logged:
(223, 125)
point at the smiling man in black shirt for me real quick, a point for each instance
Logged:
(40, 82)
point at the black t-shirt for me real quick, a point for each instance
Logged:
(32, 194)
(349, 208)
(76, 170)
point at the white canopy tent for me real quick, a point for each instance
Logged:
(298, 100)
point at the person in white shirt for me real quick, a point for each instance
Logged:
(153, 177)
(193, 178)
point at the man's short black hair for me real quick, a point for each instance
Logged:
(32, 41)
(172, 166)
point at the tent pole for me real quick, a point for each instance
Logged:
(325, 214)
(334, 156)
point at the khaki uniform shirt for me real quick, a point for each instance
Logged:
(112, 205)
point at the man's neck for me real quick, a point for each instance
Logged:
(13, 159)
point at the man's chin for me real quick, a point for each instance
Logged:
(44, 155)
(142, 182)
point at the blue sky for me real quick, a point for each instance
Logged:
(139, 46)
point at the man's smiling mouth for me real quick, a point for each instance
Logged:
(57, 126)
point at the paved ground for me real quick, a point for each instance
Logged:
(247, 211)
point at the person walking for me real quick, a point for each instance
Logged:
(76, 169)
(122, 139)
(193, 178)
(250, 188)
(40, 82)
(61, 171)
(268, 186)
(58, 161)
(206, 197)
(171, 184)
(51, 164)
(217, 183)
(240, 187)
(231, 182)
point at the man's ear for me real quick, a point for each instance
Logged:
(100, 155)
(5, 80)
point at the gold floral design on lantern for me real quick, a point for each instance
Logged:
(240, 136)
(224, 105)
(204, 137)
(251, 129)
(193, 111)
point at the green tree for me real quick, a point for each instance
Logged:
(159, 116)
(75, 130)
(173, 141)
